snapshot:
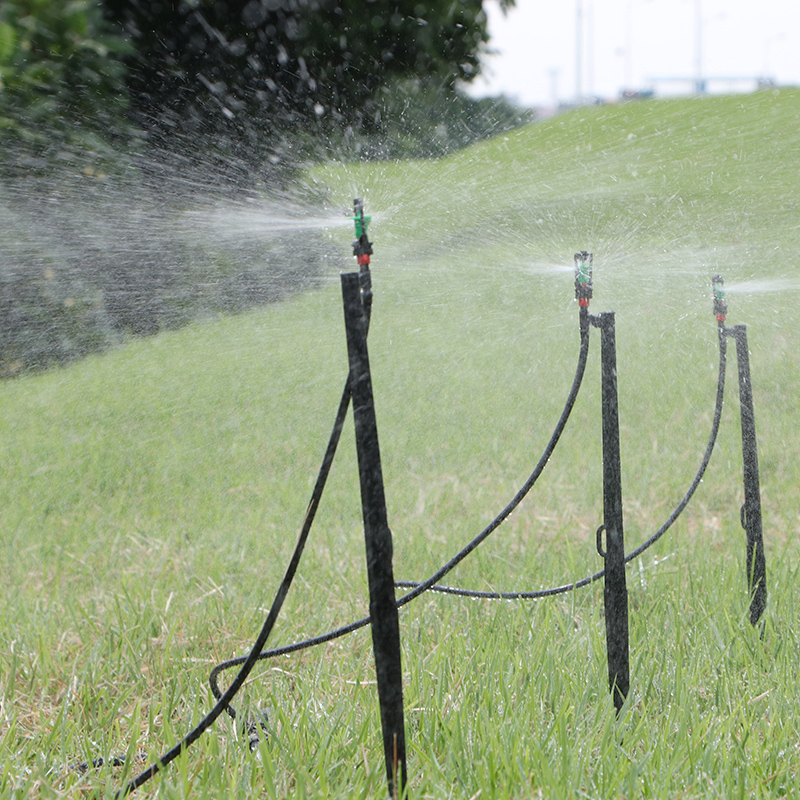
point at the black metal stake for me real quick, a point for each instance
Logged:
(615, 590)
(751, 510)
(378, 538)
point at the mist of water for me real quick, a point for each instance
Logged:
(256, 218)
(765, 286)
(88, 257)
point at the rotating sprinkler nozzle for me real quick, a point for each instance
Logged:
(362, 246)
(720, 306)
(583, 278)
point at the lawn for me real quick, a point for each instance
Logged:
(151, 496)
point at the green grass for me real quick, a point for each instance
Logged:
(150, 497)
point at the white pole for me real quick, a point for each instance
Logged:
(554, 86)
(590, 50)
(629, 46)
(578, 51)
(699, 83)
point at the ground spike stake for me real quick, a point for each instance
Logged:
(751, 509)
(615, 590)
(378, 539)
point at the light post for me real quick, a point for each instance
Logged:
(699, 82)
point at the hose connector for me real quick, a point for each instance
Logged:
(583, 278)
(362, 246)
(720, 306)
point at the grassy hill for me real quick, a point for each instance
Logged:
(150, 497)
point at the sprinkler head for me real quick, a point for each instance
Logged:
(583, 278)
(362, 246)
(358, 217)
(720, 306)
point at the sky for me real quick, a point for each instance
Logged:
(637, 44)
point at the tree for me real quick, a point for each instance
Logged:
(423, 118)
(62, 80)
(263, 78)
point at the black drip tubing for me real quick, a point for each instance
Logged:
(569, 587)
(420, 588)
(248, 662)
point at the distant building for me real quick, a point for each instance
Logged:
(735, 84)
(636, 94)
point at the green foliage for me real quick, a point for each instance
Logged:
(8, 40)
(424, 118)
(264, 83)
(62, 80)
(239, 87)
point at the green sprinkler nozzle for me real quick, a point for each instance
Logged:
(358, 217)
(583, 278)
(362, 246)
(720, 306)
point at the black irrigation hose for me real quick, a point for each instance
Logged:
(534, 595)
(420, 588)
(248, 662)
